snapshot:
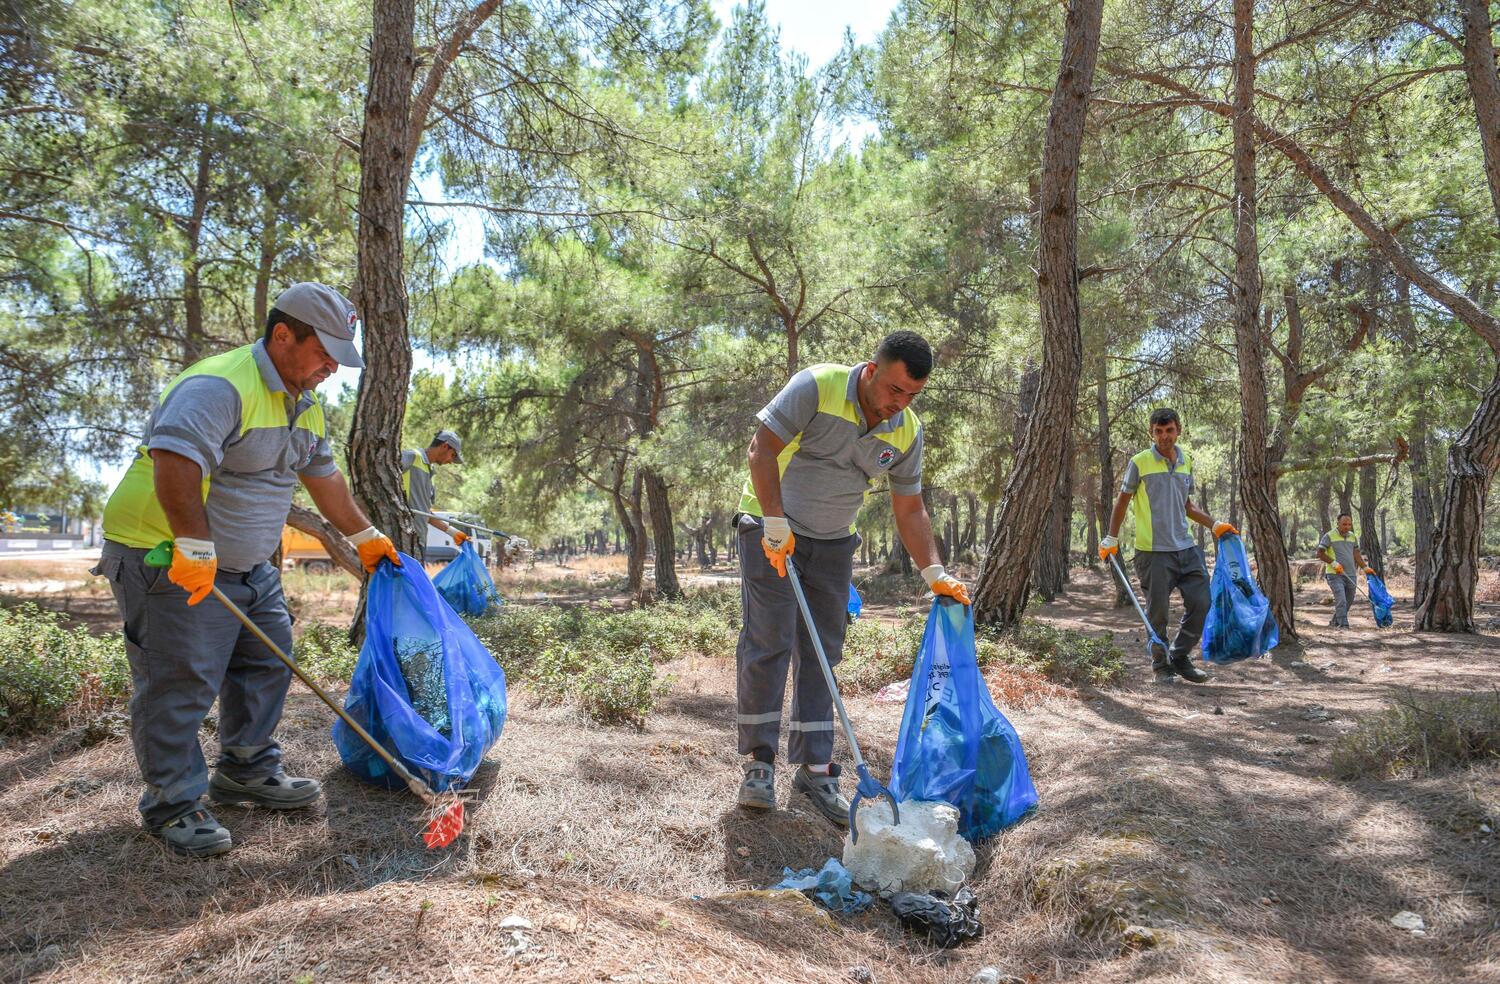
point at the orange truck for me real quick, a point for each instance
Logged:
(302, 550)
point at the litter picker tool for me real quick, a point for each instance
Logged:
(448, 808)
(1150, 632)
(459, 522)
(869, 787)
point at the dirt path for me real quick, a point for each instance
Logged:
(1219, 831)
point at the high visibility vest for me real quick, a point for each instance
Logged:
(418, 460)
(133, 516)
(1153, 470)
(1334, 536)
(833, 398)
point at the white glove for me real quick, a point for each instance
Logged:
(775, 530)
(1110, 541)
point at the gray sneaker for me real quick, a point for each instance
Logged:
(279, 791)
(195, 835)
(758, 791)
(823, 792)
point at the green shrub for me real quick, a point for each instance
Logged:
(50, 674)
(325, 651)
(612, 688)
(1063, 656)
(876, 654)
(1421, 733)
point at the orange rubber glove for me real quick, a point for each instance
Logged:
(1224, 529)
(194, 564)
(373, 547)
(1109, 546)
(944, 584)
(1369, 571)
(1338, 568)
(777, 541)
(459, 536)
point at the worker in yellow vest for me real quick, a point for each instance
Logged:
(1339, 551)
(823, 442)
(416, 479)
(1159, 483)
(223, 452)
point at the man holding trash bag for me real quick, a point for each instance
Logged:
(223, 451)
(1159, 483)
(823, 441)
(1340, 565)
(416, 478)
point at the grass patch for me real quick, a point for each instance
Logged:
(51, 675)
(1419, 734)
(603, 660)
(325, 651)
(1063, 656)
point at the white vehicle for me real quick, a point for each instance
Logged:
(440, 546)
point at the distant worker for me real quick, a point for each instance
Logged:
(823, 441)
(1159, 483)
(1340, 565)
(416, 478)
(223, 452)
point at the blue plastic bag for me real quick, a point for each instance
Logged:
(1381, 601)
(466, 583)
(831, 886)
(955, 745)
(856, 603)
(1239, 624)
(424, 686)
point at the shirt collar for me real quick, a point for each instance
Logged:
(1158, 455)
(267, 368)
(851, 393)
(423, 453)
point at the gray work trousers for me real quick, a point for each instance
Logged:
(773, 634)
(181, 658)
(1342, 586)
(1160, 571)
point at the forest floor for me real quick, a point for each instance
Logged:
(1204, 813)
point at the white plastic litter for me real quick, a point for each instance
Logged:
(924, 853)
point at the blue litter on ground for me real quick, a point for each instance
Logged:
(830, 886)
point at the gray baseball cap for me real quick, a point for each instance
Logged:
(331, 316)
(452, 440)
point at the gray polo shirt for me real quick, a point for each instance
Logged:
(420, 492)
(833, 458)
(251, 455)
(1161, 490)
(1342, 549)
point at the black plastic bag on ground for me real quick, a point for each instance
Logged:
(945, 922)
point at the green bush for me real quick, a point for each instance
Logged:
(50, 674)
(612, 688)
(1421, 733)
(1063, 656)
(876, 654)
(325, 652)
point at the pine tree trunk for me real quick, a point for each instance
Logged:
(1422, 512)
(663, 535)
(1325, 504)
(380, 294)
(1448, 592)
(1108, 493)
(1052, 556)
(1346, 495)
(1369, 539)
(1000, 598)
(1234, 482)
(1256, 474)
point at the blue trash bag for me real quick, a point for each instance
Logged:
(1239, 624)
(466, 583)
(1381, 601)
(955, 745)
(856, 603)
(424, 686)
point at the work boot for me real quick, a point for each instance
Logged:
(279, 791)
(1183, 666)
(194, 835)
(758, 791)
(1162, 673)
(823, 792)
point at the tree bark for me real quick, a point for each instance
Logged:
(1052, 557)
(663, 534)
(1369, 531)
(270, 226)
(1107, 491)
(1422, 512)
(1484, 87)
(304, 519)
(1000, 598)
(1256, 471)
(1448, 593)
(193, 340)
